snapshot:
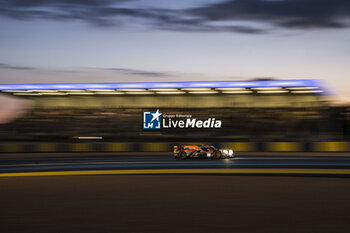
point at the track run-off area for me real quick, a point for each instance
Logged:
(89, 193)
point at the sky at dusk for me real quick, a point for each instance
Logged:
(53, 41)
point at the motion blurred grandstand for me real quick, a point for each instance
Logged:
(257, 110)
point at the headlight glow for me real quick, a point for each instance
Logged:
(230, 152)
(225, 151)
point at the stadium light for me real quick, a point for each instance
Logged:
(306, 92)
(267, 88)
(170, 92)
(231, 89)
(109, 93)
(22, 93)
(155, 85)
(17, 91)
(132, 90)
(273, 92)
(236, 92)
(102, 90)
(74, 90)
(81, 93)
(196, 89)
(196, 86)
(164, 89)
(53, 93)
(46, 91)
(302, 88)
(139, 92)
(203, 92)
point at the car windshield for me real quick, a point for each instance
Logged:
(206, 147)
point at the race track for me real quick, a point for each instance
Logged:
(55, 195)
(167, 164)
(175, 203)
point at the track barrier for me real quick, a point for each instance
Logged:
(168, 147)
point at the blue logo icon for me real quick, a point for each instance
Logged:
(151, 120)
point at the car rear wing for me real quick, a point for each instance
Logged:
(177, 148)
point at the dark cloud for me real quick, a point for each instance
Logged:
(39, 3)
(91, 11)
(12, 67)
(125, 71)
(283, 13)
(138, 72)
(223, 16)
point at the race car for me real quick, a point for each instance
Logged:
(197, 151)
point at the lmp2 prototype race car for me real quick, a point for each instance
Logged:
(206, 151)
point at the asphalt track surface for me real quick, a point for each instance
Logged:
(193, 202)
(176, 203)
(166, 164)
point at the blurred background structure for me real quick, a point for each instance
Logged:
(251, 111)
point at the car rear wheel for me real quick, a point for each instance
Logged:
(182, 155)
(217, 155)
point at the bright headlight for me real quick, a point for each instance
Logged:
(230, 152)
(225, 151)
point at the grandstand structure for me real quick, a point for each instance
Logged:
(256, 110)
(203, 94)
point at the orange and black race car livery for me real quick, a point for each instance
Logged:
(197, 151)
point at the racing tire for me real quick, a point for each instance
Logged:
(182, 155)
(217, 154)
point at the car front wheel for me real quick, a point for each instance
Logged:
(217, 155)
